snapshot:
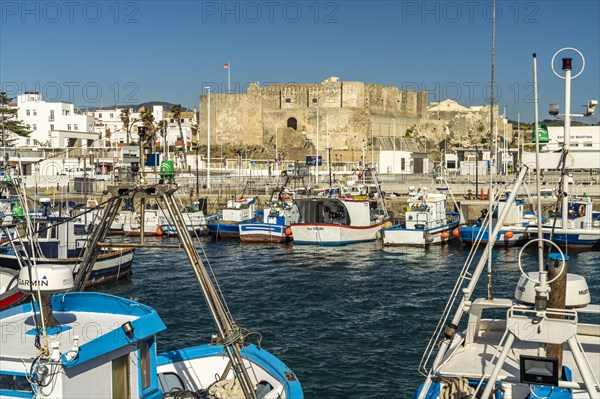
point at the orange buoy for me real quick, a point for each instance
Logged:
(509, 234)
(456, 232)
(159, 231)
(288, 231)
(445, 235)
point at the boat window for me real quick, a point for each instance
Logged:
(14, 383)
(145, 371)
(120, 377)
(170, 382)
(54, 232)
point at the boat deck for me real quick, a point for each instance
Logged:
(473, 360)
(18, 331)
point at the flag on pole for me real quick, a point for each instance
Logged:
(226, 66)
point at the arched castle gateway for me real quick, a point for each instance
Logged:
(352, 112)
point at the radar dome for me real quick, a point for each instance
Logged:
(47, 278)
(578, 293)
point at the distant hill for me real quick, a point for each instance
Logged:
(549, 122)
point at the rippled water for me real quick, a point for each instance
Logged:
(352, 322)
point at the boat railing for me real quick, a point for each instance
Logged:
(448, 329)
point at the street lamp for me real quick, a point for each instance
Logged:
(208, 146)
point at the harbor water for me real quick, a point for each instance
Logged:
(351, 322)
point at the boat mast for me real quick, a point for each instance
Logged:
(542, 270)
(566, 66)
(492, 151)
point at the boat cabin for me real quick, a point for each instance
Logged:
(239, 210)
(426, 211)
(111, 354)
(56, 237)
(334, 211)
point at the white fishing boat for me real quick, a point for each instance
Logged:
(336, 221)
(55, 240)
(541, 342)
(153, 220)
(347, 219)
(500, 346)
(426, 221)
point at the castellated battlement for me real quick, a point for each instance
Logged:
(348, 112)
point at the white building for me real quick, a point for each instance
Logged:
(108, 123)
(56, 125)
(584, 149)
(405, 156)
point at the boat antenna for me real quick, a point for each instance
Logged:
(541, 268)
(492, 151)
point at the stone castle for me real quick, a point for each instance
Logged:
(348, 116)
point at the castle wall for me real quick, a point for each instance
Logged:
(351, 111)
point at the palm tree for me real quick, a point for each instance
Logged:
(147, 119)
(127, 122)
(176, 110)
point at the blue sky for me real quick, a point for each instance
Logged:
(98, 53)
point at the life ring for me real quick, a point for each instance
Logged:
(581, 210)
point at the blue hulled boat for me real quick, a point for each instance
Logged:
(241, 211)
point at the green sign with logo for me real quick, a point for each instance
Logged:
(542, 131)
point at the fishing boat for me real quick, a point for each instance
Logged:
(153, 220)
(426, 221)
(237, 212)
(9, 292)
(336, 221)
(49, 351)
(514, 231)
(580, 229)
(55, 240)
(342, 220)
(507, 347)
(276, 224)
(543, 342)
(195, 222)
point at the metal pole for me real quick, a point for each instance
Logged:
(519, 139)
(567, 141)
(197, 175)
(208, 141)
(329, 164)
(228, 77)
(541, 268)
(317, 168)
(394, 147)
(476, 171)
(492, 151)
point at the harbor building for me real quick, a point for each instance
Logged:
(53, 124)
(584, 149)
